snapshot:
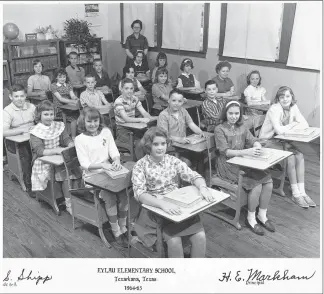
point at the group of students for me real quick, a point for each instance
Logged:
(156, 171)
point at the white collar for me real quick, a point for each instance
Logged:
(138, 64)
(60, 85)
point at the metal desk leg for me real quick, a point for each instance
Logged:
(100, 219)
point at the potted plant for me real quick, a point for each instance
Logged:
(78, 31)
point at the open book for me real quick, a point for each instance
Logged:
(195, 139)
(184, 197)
(117, 174)
(266, 155)
(300, 133)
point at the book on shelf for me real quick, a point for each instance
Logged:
(184, 197)
(300, 133)
(117, 174)
(195, 139)
(265, 155)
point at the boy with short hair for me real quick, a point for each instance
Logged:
(212, 106)
(175, 119)
(124, 108)
(75, 73)
(18, 118)
(103, 82)
(91, 96)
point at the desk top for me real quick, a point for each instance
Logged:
(104, 110)
(263, 107)
(199, 147)
(34, 97)
(191, 90)
(142, 78)
(192, 211)
(278, 155)
(56, 159)
(69, 107)
(138, 125)
(315, 135)
(104, 182)
(79, 86)
(192, 103)
(19, 138)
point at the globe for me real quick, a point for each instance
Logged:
(10, 31)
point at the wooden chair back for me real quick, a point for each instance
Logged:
(71, 163)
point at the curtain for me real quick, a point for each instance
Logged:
(305, 46)
(182, 26)
(144, 12)
(253, 30)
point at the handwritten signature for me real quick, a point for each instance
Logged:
(26, 275)
(255, 276)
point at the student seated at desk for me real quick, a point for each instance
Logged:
(63, 94)
(93, 97)
(254, 93)
(234, 139)
(38, 84)
(129, 72)
(124, 108)
(282, 116)
(103, 82)
(212, 106)
(95, 146)
(175, 120)
(187, 79)
(75, 73)
(155, 175)
(18, 118)
(161, 89)
(224, 84)
(49, 137)
(140, 64)
(161, 62)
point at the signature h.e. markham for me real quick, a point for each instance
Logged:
(259, 276)
(27, 276)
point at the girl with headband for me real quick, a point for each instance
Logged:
(187, 79)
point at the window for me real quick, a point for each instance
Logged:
(176, 27)
(259, 34)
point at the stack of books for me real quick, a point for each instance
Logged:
(117, 174)
(300, 133)
(184, 197)
(265, 155)
(195, 139)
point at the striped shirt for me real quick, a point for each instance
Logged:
(212, 109)
(129, 105)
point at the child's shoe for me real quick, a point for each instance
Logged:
(309, 200)
(300, 201)
(68, 205)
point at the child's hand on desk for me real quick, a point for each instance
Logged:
(145, 120)
(206, 194)
(116, 165)
(255, 151)
(184, 140)
(171, 208)
(58, 150)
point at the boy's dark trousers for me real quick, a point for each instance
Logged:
(25, 159)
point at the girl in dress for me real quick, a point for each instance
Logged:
(224, 84)
(95, 146)
(187, 79)
(234, 139)
(38, 84)
(49, 137)
(155, 175)
(161, 89)
(281, 117)
(63, 94)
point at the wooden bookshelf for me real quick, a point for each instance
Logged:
(85, 56)
(22, 54)
(6, 83)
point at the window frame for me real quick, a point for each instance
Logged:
(159, 23)
(285, 40)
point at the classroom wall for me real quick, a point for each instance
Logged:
(305, 84)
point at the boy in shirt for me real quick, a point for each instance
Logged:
(212, 106)
(18, 118)
(75, 73)
(174, 120)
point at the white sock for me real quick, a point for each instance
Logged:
(295, 190)
(262, 215)
(301, 187)
(115, 229)
(251, 218)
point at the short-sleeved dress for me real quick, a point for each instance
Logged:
(159, 179)
(223, 85)
(64, 91)
(235, 137)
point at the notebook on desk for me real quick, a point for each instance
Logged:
(300, 133)
(184, 197)
(115, 174)
(266, 155)
(195, 139)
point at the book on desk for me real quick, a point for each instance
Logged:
(265, 155)
(300, 133)
(183, 197)
(188, 212)
(115, 174)
(195, 139)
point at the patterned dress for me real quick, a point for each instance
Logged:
(64, 90)
(158, 179)
(237, 138)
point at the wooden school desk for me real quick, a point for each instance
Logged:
(197, 151)
(186, 213)
(14, 163)
(139, 126)
(264, 108)
(68, 107)
(192, 93)
(104, 182)
(36, 99)
(316, 134)
(277, 156)
(53, 190)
